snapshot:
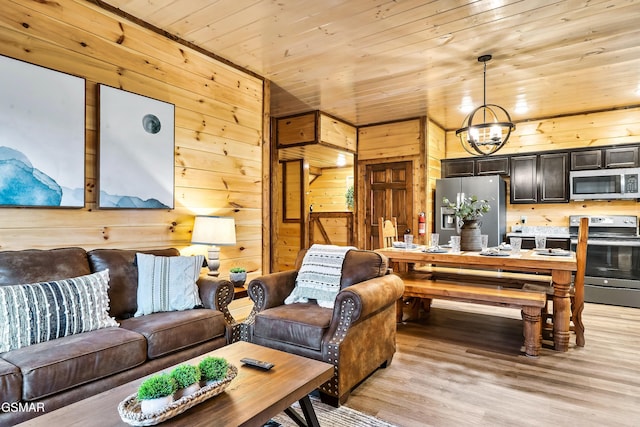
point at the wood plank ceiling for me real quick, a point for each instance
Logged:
(370, 61)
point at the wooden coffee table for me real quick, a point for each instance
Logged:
(251, 399)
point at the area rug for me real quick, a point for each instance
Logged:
(330, 416)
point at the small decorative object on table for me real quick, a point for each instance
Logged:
(156, 392)
(237, 276)
(213, 369)
(187, 379)
(469, 210)
(131, 413)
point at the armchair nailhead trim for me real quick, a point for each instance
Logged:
(347, 308)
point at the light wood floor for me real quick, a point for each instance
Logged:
(462, 366)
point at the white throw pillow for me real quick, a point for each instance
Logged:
(39, 312)
(167, 283)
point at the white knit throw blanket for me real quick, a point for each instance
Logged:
(319, 275)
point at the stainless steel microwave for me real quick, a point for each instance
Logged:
(604, 184)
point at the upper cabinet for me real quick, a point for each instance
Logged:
(607, 158)
(539, 178)
(490, 165)
(315, 128)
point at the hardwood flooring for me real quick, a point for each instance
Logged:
(462, 366)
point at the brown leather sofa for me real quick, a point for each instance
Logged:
(357, 336)
(49, 375)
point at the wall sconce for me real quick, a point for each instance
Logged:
(215, 231)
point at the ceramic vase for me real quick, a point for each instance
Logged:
(150, 406)
(187, 391)
(238, 279)
(470, 233)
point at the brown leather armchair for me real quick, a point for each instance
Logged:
(357, 336)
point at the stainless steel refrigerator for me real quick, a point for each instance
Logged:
(491, 188)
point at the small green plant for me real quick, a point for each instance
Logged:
(185, 375)
(238, 270)
(159, 385)
(349, 197)
(470, 208)
(213, 368)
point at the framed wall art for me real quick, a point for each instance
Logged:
(42, 128)
(136, 151)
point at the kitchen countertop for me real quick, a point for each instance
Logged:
(532, 231)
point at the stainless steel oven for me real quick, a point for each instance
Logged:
(613, 259)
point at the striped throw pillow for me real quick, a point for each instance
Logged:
(39, 312)
(167, 283)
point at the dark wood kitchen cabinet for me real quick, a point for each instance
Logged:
(458, 167)
(524, 179)
(489, 165)
(586, 160)
(539, 179)
(609, 158)
(621, 157)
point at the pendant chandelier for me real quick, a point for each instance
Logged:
(487, 128)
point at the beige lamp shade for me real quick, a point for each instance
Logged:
(214, 230)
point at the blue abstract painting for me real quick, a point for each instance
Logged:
(42, 128)
(136, 154)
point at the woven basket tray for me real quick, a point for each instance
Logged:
(129, 409)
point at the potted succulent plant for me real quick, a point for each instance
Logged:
(187, 379)
(213, 369)
(237, 276)
(156, 393)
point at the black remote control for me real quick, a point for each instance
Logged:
(257, 363)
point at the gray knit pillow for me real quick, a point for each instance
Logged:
(39, 312)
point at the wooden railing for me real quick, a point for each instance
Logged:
(331, 228)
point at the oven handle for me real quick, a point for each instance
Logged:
(605, 242)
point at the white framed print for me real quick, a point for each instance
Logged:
(136, 151)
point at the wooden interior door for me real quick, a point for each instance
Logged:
(389, 192)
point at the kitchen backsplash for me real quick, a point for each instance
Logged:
(528, 230)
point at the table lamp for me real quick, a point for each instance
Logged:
(215, 231)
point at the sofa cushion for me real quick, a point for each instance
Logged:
(39, 312)
(57, 365)
(35, 265)
(167, 283)
(123, 273)
(171, 331)
(10, 382)
(301, 324)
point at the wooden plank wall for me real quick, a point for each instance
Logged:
(565, 133)
(392, 142)
(219, 119)
(327, 191)
(435, 152)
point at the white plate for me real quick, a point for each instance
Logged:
(552, 252)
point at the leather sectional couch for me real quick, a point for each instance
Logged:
(51, 374)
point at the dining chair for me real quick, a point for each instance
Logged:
(387, 232)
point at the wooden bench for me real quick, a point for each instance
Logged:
(421, 285)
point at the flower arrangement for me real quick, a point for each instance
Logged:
(470, 208)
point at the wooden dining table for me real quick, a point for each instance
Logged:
(560, 268)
